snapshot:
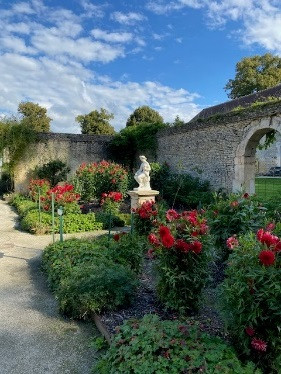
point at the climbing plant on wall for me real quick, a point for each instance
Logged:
(14, 140)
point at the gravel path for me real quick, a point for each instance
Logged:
(34, 338)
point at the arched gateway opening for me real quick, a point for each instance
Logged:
(245, 159)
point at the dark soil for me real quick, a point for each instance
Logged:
(146, 303)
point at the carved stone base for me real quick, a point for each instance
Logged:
(138, 197)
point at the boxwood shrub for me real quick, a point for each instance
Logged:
(152, 346)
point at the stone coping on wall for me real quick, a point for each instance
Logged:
(248, 114)
(85, 138)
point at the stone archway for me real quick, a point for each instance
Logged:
(245, 159)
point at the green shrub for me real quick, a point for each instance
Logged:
(251, 298)
(151, 346)
(94, 179)
(128, 250)
(95, 286)
(54, 171)
(60, 258)
(24, 206)
(233, 215)
(119, 220)
(71, 223)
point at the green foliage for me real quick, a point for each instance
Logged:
(144, 114)
(251, 297)
(233, 215)
(15, 139)
(186, 191)
(92, 288)
(71, 223)
(270, 138)
(152, 346)
(23, 204)
(54, 171)
(159, 176)
(96, 122)
(178, 122)
(34, 116)
(119, 220)
(88, 276)
(133, 140)
(92, 180)
(254, 74)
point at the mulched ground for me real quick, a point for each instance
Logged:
(146, 302)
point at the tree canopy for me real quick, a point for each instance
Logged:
(144, 114)
(34, 116)
(96, 122)
(254, 74)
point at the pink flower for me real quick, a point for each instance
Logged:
(232, 242)
(259, 344)
(150, 253)
(234, 204)
(270, 227)
(152, 238)
(172, 215)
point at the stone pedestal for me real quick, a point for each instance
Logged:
(138, 197)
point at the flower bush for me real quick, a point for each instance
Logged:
(251, 298)
(151, 346)
(146, 216)
(111, 201)
(182, 250)
(94, 179)
(36, 185)
(65, 196)
(234, 215)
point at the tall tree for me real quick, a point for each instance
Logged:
(254, 74)
(144, 114)
(34, 116)
(96, 122)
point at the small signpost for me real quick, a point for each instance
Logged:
(60, 213)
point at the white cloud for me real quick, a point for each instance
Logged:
(83, 49)
(23, 7)
(91, 9)
(15, 44)
(114, 37)
(164, 7)
(127, 18)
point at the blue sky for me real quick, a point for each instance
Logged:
(74, 56)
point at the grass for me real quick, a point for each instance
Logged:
(268, 187)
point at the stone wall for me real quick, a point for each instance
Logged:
(221, 149)
(70, 148)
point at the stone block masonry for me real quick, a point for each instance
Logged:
(222, 148)
(73, 149)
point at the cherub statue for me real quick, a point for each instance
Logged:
(142, 175)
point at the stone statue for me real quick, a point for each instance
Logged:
(142, 175)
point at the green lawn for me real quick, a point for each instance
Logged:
(267, 187)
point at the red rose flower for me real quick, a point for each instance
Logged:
(168, 240)
(250, 331)
(259, 344)
(267, 257)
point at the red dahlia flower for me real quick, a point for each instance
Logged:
(164, 230)
(259, 344)
(267, 257)
(182, 245)
(152, 238)
(250, 331)
(196, 247)
(168, 240)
